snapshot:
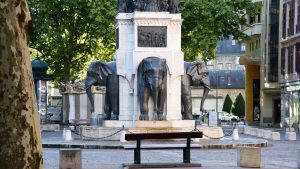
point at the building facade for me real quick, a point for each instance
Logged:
(261, 62)
(290, 61)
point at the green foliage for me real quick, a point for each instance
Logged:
(205, 22)
(69, 33)
(227, 104)
(239, 106)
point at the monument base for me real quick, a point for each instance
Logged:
(111, 129)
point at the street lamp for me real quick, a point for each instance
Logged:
(217, 83)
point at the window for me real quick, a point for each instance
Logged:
(233, 42)
(284, 21)
(220, 66)
(228, 65)
(243, 47)
(252, 20)
(298, 58)
(273, 42)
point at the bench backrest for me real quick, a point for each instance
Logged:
(169, 135)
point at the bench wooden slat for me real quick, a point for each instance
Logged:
(161, 146)
(173, 135)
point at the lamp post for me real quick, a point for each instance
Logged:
(217, 83)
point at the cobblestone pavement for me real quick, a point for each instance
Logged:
(278, 155)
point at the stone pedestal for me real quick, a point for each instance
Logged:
(131, 51)
(112, 128)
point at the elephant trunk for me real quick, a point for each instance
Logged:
(155, 93)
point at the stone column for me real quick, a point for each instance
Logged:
(72, 107)
(99, 99)
(83, 108)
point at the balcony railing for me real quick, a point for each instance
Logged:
(254, 29)
(256, 54)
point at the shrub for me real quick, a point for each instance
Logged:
(227, 104)
(239, 106)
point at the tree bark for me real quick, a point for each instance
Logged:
(67, 70)
(20, 137)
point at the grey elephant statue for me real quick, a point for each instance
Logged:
(152, 81)
(196, 74)
(104, 74)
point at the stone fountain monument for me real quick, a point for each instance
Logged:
(144, 82)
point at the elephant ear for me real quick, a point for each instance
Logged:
(198, 71)
(97, 74)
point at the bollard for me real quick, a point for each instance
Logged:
(298, 158)
(267, 134)
(122, 136)
(260, 133)
(70, 159)
(275, 136)
(249, 157)
(68, 136)
(64, 133)
(291, 136)
(235, 134)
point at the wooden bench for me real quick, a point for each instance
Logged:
(162, 136)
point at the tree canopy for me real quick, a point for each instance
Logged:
(70, 33)
(206, 22)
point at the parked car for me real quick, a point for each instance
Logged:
(224, 116)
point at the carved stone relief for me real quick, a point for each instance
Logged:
(152, 36)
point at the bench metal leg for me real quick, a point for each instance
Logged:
(186, 155)
(187, 152)
(137, 152)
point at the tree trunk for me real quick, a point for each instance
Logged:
(20, 137)
(67, 69)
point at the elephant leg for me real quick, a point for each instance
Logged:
(90, 97)
(187, 106)
(186, 100)
(205, 94)
(144, 98)
(107, 107)
(113, 89)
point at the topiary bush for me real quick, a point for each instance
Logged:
(239, 106)
(227, 104)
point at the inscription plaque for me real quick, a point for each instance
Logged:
(152, 36)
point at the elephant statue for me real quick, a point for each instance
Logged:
(104, 74)
(152, 81)
(195, 74)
